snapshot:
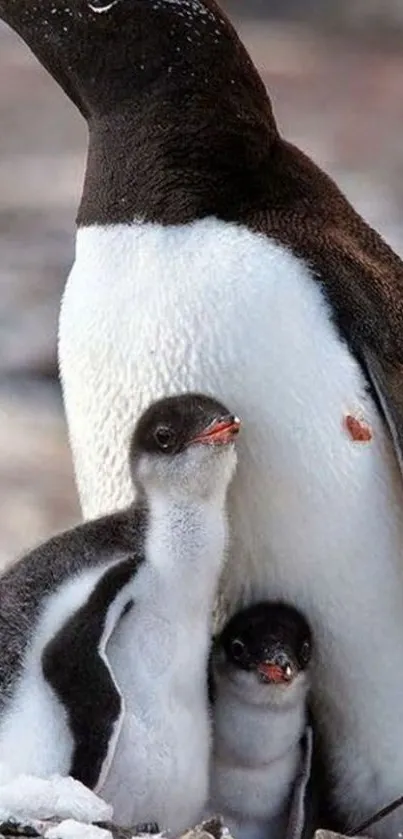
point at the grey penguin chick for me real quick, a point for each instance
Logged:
(260, 674)
(105, 630)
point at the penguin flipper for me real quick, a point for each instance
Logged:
(387, 381)
(211, 682)
(75, 665)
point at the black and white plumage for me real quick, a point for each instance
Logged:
(105, 629)
(260, 681)
(213, 255)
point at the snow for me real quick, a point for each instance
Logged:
(27, 797)
(72, 829)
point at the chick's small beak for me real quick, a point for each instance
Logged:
(219, 432)
(275, 673)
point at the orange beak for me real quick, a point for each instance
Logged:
(220, 432)
(274, 673)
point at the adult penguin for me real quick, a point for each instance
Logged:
(212, 255)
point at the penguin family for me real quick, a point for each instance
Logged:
(213, 256)
(105, 634)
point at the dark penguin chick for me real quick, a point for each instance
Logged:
(213, 255)
(98, 677)
(260, 673)
(272, 641)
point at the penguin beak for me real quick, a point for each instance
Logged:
(275, 673)
(220, 432)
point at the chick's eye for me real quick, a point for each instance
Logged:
(164, 437)
(305, 651)
(237, 648)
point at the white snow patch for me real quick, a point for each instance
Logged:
(72, 829)
(28, 797)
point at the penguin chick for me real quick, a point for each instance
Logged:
(260, 681)
(105, 630)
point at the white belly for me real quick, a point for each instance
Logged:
(255, 798)
(255, 762)
(316, 518)
(254, 794)
(159, 770)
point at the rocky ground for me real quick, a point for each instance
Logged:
(339, 98)
(212, 829)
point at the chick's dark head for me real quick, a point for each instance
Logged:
(273, 639)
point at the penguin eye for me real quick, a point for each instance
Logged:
(305, 652)
(164, 437)
(237, 649)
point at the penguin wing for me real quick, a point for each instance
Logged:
(301, 820)
(360, 275)
(387, 381)
(211, 682)
(41, 573)
(75, 665)
(367, 299)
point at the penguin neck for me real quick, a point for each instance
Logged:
(144, 164)
(180, 125)
(186, 542)
(178, 151)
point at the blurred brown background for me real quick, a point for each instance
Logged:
(335, 73)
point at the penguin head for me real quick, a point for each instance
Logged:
(265, 652)
(184, 446)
